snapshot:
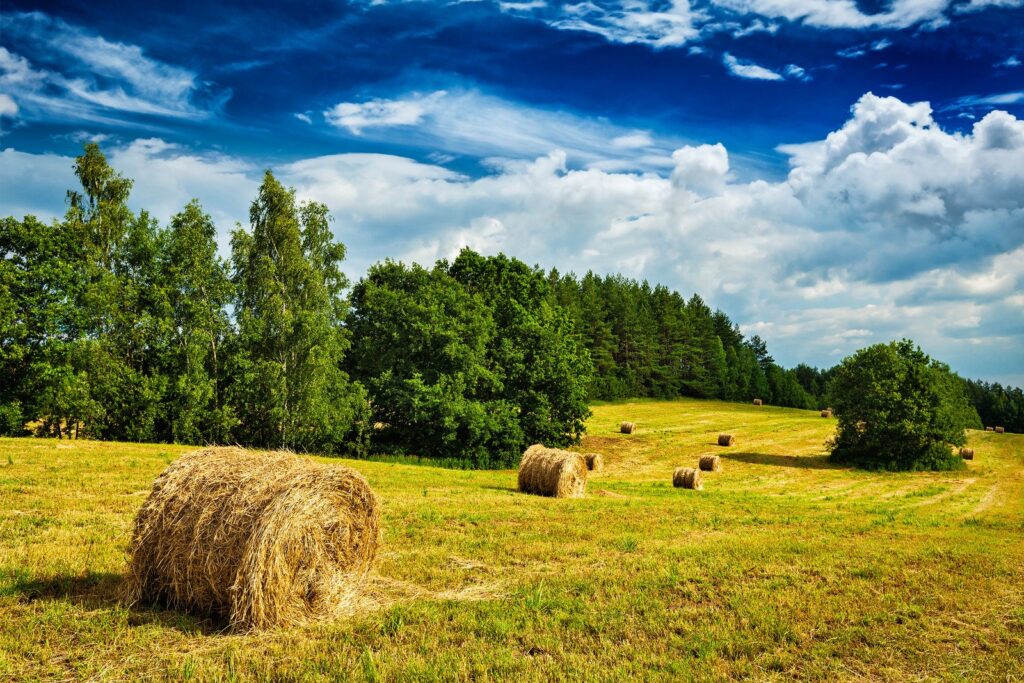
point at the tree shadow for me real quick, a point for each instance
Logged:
(106, 590)
(807, 462)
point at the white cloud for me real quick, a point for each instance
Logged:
(635, 140)
(407, 111)
(8, 107)
(844, 13)
(797, 72)
(304, 117)
(979, 5)
(748, 69)
(1010, 62)
(463, 122)
(995, 100)
(659, 24)
(887, 227)
(68, 73)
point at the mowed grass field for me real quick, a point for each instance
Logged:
(783, 567)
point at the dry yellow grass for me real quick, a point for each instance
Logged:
(787, 567)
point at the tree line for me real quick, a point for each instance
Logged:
(114, 327)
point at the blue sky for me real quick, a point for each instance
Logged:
(830, 173)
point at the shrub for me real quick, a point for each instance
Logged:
(897, 409)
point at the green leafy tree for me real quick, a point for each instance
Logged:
(289, 390)
(198, 290)
(898, 409)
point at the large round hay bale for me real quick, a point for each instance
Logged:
(967, 453)
(726, 439)
(687, 478)
(595, 461)
(827, 412)
(552, 472)
(627, 427)
(710, 463)
(990, 429)
(758, 402)
(1000, 430)
(261, 539)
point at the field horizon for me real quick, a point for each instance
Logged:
(786, 566)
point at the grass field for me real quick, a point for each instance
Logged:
(783, 567)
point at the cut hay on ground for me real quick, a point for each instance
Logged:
(627, 427)
(826, 413)
(261, 539)
(595, 461)
(1000, 430)
(552, 472)
(687, 478)
(726, 439)
(758, 402)
(967, 453)
(710, 463)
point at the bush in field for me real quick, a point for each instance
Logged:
(899, 410)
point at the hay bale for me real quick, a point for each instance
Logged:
(261, 539)
(758, 402)
(967, 453)
(827, 412)
(552, 472)
(710, 463)
(595, 461)
(1000, 430)
(990, 429)
(726, 440)
(687, 478)
(627, 427)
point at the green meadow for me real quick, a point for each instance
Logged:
(784, 567)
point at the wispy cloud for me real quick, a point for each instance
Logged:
(744, 69)
(656, 23)
(994, 100)
(55, 70)
(1010, 62)
(463, 121)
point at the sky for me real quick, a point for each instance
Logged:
(830, 173)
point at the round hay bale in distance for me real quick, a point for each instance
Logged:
(552, 472)
(758, 402)
(726, 440)
(1000, 430)
(263, 539)
(990, 429)
(710, 463)
(687, 478)
(967, 453)
(627, 427)
(827, 412)
(595, 461)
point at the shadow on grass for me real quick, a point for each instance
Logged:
(495, 487)
(807, 462)
(105, 590)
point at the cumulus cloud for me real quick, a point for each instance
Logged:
(888, 226)
(57, 71)
(744, 69)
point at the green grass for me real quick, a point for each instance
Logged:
(784, 567)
